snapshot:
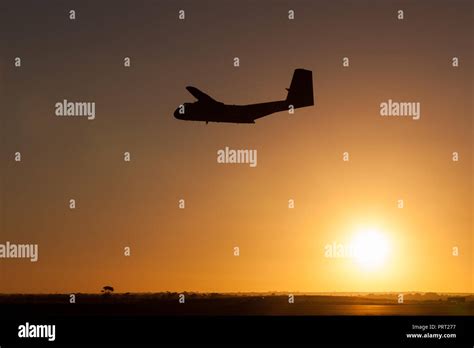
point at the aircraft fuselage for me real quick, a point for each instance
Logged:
(219, 112)
(207, 109)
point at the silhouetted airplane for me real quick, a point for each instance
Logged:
(300, 94)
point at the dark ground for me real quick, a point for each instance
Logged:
(241, 304)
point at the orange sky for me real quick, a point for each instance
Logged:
(299, 156)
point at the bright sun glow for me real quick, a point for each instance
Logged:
(371, 249)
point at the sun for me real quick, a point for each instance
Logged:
(371, 249)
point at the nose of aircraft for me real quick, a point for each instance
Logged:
(177, 114)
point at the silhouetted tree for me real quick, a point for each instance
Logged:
(107, 290)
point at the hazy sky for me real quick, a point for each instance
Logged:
(300, 156)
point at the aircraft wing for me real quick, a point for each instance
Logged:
(199, 95)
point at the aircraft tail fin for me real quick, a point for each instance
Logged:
(300, 93)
